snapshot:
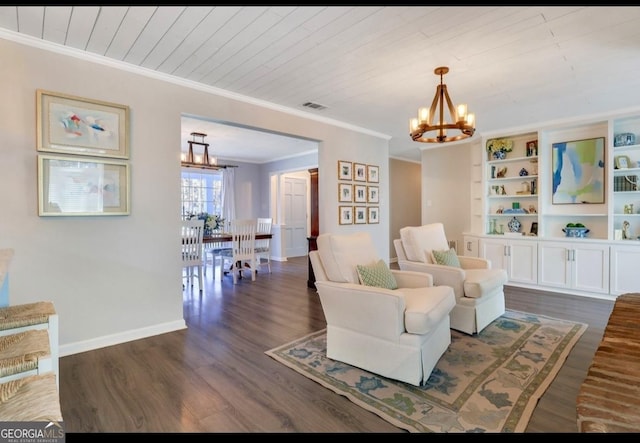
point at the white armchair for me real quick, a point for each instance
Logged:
(397, 333)
(478, 288)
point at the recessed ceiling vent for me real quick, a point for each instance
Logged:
(314, 106)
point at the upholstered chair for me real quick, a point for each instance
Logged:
(389, 322)
(478, 288)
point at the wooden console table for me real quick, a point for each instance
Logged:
(609, 397)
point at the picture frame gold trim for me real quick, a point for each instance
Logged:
(360, 172)
(373, 174)
(345, 215)
(82, 186)
(345, 170)
(373, 214)
(359, 215)
(359, 193)
(345, 192)
(622, 162)
(76, 125)
(373, 194)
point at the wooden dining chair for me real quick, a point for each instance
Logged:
(192, 261)
(242, 254)
(214, 250)
(263, 246)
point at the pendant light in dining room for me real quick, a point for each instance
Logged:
(200, 159)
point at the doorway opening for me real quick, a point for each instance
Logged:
(277, 176)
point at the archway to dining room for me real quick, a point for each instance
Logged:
(273, 170)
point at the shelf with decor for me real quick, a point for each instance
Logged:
(511, 171)
(586, 195)
(555, 225)
(625, 160)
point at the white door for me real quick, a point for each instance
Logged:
(295, 217)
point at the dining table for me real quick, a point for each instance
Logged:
(223, 237)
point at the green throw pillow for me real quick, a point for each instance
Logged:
(378, 275)
(447, 258)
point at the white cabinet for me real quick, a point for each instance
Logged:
(518, 257)
(625, 275)
(522, 183)
(574, 265)
(470, 246)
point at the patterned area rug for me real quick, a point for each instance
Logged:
(490, 382)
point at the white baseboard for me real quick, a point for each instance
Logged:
(116, 339)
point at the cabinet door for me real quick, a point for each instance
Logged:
(470, 246)
(591, 268)
(495, 251)
(554, 265)
(624, 269)
(523, 261)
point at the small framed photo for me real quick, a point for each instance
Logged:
(360, 215)
(622, 162)
(359, 193)
(373, 194)
(345, 170)
(534, 228)
(80, 186)
(345, 215)
(360, 172)
(77, 125)
(373, 175)
(532, 148)
(345, 192)
(373, 215)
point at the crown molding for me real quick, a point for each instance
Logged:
(124, 66)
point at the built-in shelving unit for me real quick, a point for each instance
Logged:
(512, 185)
(625, 159)
(520, 184)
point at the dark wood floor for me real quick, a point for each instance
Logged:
(215, 377)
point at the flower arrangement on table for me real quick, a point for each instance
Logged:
(211, 222)
(499, 145)
(215, 222)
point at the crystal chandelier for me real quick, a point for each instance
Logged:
(427, 121)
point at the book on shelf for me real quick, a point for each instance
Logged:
(625, 183)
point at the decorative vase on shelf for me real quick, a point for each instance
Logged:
(492, 226)
(499, 155)
(514, 225)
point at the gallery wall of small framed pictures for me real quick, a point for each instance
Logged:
(358, 184)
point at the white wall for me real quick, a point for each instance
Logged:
(406, 198)
(118, 278)
(445, 187)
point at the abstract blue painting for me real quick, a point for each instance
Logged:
(578, 171)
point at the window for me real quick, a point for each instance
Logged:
(201, 192)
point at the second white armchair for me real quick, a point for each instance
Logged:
(478, 288)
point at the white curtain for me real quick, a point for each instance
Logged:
(228, 195)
